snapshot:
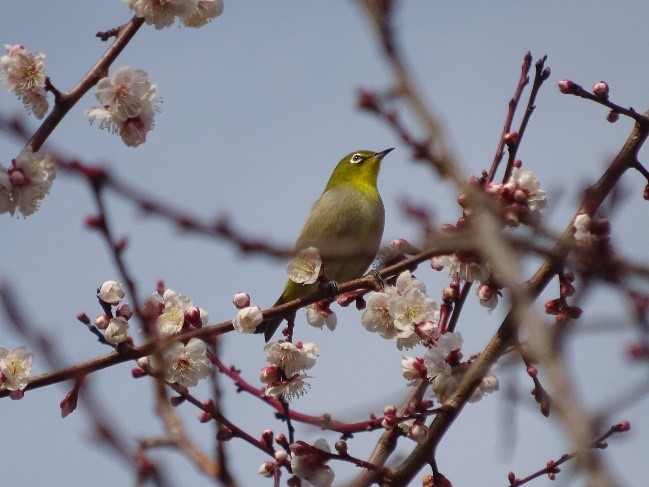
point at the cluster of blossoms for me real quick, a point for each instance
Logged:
(308, 462)
(522, 197)
(26, 182)
(248, 317)
(590, 230)
(163, 13)
(23, 74)
(403, 313)
(183, 363)
(442, 365)
(15, 368)
(128, 105)
(469, 268)
(114, 326)
(284, 377)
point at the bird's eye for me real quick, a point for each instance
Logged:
(356, 158)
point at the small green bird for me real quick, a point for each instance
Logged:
(345, 225)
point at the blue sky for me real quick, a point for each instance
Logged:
(258, 107)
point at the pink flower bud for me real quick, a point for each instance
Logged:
(485, 292)
(224, 434)
(341, 447)
(600, 90)
(204, 417)
(267, 469)
(17, 177)
(137, 372)
(418, 432)
(241, 300)
(389, 410)
(124, 311)
(567, 87)
(269, 374)
(102, 322)
(511, 138)
(83, 317)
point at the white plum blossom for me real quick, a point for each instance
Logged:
(466, 269)
(415, 430)
(247, 319)
(111, 292)
(291, 358)
(23, 74)
(185, 365)
(319, 317)
(526, 181)
(172, 318)
(487, 296)
(288, 389)
(445, 376)
(15, 367)
(582, 229)
(376, 317)
(402, 312)
(413, 369)
(310, 465)
(127, 105)
(488, 384)
(162, 13)
(414, 316)
(305, 267)
(435, 358)
(116, 331)
(26, 182)
(406, 281)
(204, 13)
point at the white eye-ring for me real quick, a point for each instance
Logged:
(356, 158)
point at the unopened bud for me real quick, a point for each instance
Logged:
(269, 374)
(567, 87)
(204, 417)
(17, 178)
(241, 300)
(418, 432)
(510, 138)
(600, 90)
(83, 317)
(341, 447)
(124, 311)
(224, 434)
(389, 410)
(612, 116)
(102, 322)
(137, 372)
(267, 469)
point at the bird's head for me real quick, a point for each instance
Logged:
(359, 167)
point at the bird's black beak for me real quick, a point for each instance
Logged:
(384, 153)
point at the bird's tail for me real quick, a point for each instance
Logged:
(269, 327)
